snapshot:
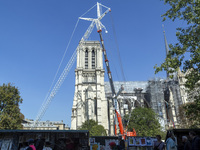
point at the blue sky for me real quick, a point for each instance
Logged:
(35, 34)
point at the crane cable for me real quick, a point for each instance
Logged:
(66, 52)
(62, 60)
(121, 66)
(119, 57)
(56, 87)
(88, 10)
(117, 45)
(59, 65)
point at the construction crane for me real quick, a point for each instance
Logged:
(114, 95)
(66, 70)
(99, 27)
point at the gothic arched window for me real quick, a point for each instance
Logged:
(86, 59)
(93, 59)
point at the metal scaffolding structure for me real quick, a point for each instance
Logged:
(165, 99)
(162, 95)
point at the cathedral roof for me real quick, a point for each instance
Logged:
(129, 86)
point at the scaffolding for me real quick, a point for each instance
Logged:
(165, 99)
(155, 90)
(162, 95)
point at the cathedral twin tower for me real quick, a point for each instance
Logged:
(89, 96)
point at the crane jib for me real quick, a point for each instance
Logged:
(107, 64)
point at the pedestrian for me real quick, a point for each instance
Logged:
(195, 141)
(170, 142)
(39, 143)
(159, 145)
(31, 145)
(187, 144)
(121, 145)
(113, 146)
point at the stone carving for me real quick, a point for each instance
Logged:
(88, 75)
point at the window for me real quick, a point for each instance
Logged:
(86, 59)
(93, 59)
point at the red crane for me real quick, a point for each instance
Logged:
(99, 27)
(123, 132)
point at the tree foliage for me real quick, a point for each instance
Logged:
(188, 116)
(98, 130)
(185, 53)
(144, 121)
(10, 115)
(188, 41)
(93, 128)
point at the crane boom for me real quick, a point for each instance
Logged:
(99, 25)
(56, 88)
(114, 97)
(88, 32)
(62, 77)
(107, 65)
(64, 74)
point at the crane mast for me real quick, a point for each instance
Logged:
(123, 132)
(110, 78)
(99, 27)
(107, 65)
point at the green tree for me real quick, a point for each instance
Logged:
(98, 130)
(188, 41)
(93, 128)
(144, 121)
(88, 124)
(188, 45)
(10, 115)
(192, 120)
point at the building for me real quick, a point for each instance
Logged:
(44, 125)
(165, 97)
(134, 95)
(187, 96)
(89, 96)
(93, 96)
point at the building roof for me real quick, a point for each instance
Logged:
(40, 124)
(129, 86)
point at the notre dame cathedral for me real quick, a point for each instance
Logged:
(93, 97)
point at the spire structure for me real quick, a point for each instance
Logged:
(166, 46)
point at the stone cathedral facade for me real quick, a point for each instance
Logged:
(93, 97)
(89, 96)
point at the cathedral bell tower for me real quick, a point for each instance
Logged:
(89, 96)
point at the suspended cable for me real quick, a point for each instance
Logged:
(46, 98)
(88, 10)
(116, 72)
(104, 6)
(113, 61)
(60, 64)
(56, 88)
(67, 49)
(115, 37)
(65, 52)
